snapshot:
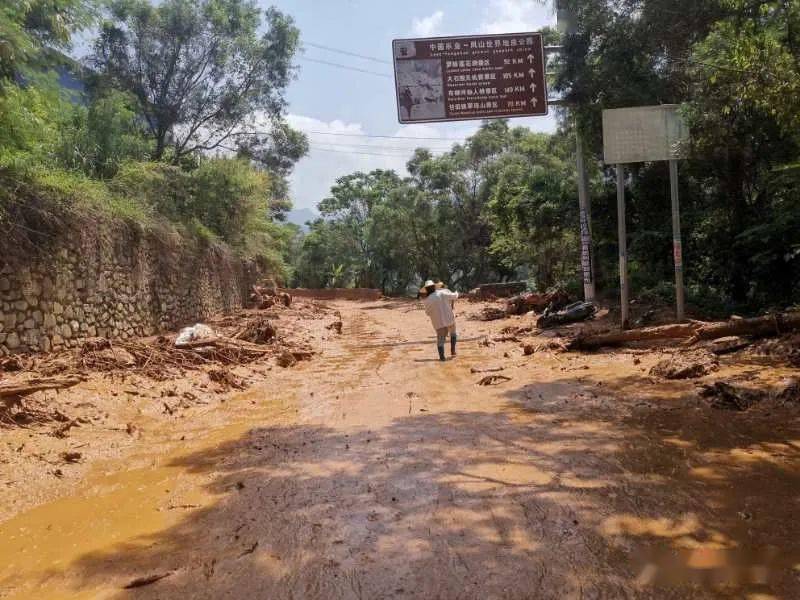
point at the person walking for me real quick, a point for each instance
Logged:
(439, 308)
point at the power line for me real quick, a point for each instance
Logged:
(347, 53)
(358, 135)
(346, 67)
(378, 146)
(361, 153)
(388, 137)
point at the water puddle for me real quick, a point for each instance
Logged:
(115, 507)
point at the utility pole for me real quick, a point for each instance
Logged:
(566, 25)
(584, 203)
(677, 244)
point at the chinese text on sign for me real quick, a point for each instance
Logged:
(470, 77)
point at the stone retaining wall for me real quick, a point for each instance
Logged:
(116, 283)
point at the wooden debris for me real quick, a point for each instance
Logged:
(728, 345)
(226, 379)
(493, 380)
(476, 370)
(533, 302)
(147, 580)
(769, 325)
(620, 338)
(491, 313)
(694, 331)
(728, 397)
(689, 366)
(10, 390)
(71, 457)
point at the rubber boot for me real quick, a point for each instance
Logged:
(441, 353)
(453, 340)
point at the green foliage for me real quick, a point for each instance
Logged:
(165, 189)
(230, 198)
(42, 126)
(31, 121)
(27, 26)
(223, 199)
(201, 71)
(734, 65)
(533, 210)
(500, 205)
(104, 135)
(210, 66)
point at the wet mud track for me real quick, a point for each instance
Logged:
(377, 472)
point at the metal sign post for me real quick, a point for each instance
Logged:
(470, 77)
(622, 231)
(644, 134)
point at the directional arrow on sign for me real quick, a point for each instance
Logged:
(531, 58)
(534, 101)
(531, 72)
(533, 88)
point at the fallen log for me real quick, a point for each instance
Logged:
(30, 386)
(769, 325)
(620, 338)
(693, 332)
(224, 343)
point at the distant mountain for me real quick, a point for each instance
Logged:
(300, 216)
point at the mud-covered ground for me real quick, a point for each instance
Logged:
(374, 471)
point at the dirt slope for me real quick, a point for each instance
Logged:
(374, 471)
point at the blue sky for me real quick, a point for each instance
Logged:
(333, 100)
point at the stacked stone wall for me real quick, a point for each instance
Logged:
(117, 283)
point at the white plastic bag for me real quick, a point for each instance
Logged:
(196, 332)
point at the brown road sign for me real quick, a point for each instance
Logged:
(470, 77)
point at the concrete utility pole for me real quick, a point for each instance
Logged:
(584, 202)
(677, 244)
(566, 25)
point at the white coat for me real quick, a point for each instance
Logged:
(439, 307)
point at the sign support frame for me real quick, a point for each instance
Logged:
(622, 233)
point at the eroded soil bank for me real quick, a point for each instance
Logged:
(374, 471)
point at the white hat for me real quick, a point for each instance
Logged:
(429, 283)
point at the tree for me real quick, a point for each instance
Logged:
(103, 135)
(733, 64)
(201, 71)
(276, 151)
(351, 204)
(532, 210)
(28, 26)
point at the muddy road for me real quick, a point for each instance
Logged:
(374, 471)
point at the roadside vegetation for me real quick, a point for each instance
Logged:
(504, 203)
(174, 124)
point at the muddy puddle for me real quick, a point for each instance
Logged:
(117, 505)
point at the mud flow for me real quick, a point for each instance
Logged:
(368, 469)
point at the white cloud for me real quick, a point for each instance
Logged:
(339, 148)
(428, 26)
(512, 16)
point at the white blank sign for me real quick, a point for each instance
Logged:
(643, 134)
